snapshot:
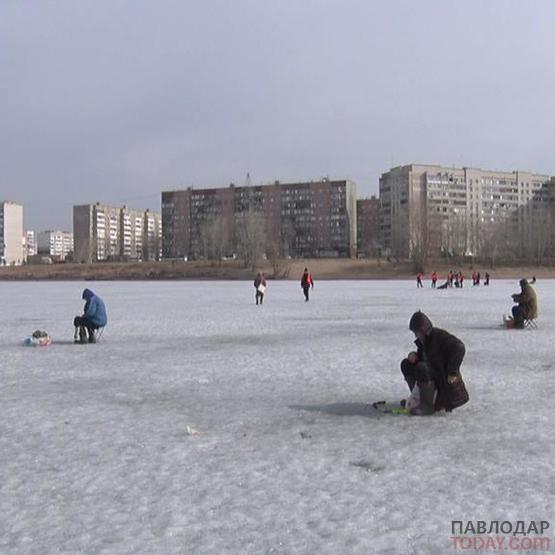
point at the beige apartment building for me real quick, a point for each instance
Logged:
(110, 233)
(454, 211)
(12, 251)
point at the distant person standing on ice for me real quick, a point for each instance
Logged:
(260, 286)
(306, 283)
(435, 366)
(434, 280)
(94, 317)
(419, 280)
(461, 279)
(486, 281)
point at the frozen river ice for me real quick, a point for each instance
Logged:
(98, 450)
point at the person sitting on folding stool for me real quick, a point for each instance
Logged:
(526, 308)
(94, 317)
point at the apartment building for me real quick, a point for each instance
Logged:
(368, 227)
(57, 244)
(152, 236)
(310, 219)
(11, 234)
(446, 210)
(109, 233)
(132, 232)
(30, 243)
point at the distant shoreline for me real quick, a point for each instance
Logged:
(322, 269)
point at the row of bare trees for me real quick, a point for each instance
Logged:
(527, 235)
(248, 239)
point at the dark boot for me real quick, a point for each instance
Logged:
(426, 406)
(92, 336)
(411, 382)
(409, 373)
(82, 335)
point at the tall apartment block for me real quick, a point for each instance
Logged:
(152, 236)
(30, 243)
(537, 235)
(11, 234)
(109, 233)
(131, 231)
(55, 243)
(452, 210)
(368, 226)
(309, 219)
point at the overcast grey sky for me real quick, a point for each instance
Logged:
(118, 100)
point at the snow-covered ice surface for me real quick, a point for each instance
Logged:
(98, 450)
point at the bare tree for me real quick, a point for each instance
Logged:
(458, 232)
(203, 240)
(419, 239)
(277, 251)
(281, 265)
(539, 232)
(494, 240)
(215, 238)
(287, 239)
(251, 237)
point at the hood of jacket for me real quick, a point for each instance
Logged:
(87, 295)
(420, 322)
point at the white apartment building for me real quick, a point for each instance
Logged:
(30, 243)
(11, 234)
(152, 236)
(104, 233)
(55, 243)
(132, 226)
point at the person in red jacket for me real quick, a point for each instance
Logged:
(306, 283)
(434, 280)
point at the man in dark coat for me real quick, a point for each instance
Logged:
(436, 364)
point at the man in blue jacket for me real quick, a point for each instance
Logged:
(94, 317)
